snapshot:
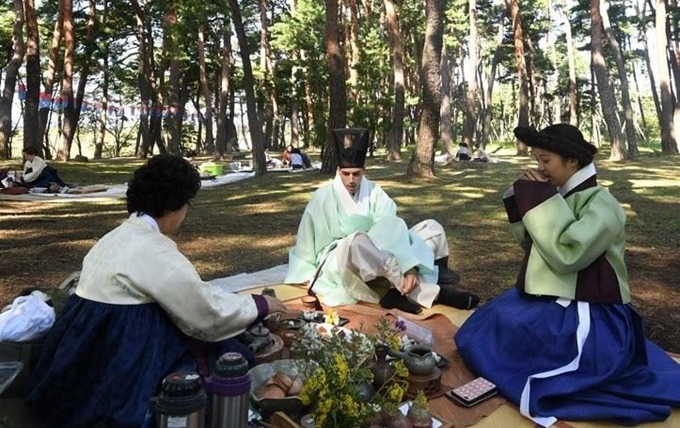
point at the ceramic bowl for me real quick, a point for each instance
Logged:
(291, 405)
(291, 323)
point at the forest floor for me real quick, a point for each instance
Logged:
(250, 225)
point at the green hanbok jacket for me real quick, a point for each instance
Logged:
(574, 242)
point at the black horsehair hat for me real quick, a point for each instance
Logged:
(561, 138)
(351, 144)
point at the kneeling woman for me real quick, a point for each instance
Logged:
(565, 342)
(140, 312)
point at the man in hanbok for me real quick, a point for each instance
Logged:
(350, 234)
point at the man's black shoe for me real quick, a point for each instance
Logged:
(393, 299)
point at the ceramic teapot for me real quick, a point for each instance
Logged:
(259, 338)
(418, 359)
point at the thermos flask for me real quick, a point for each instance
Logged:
(182, 401)
(229, 385)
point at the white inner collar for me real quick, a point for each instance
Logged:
(147, 218)
(353, 204)
(579, 177)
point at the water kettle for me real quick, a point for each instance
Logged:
(229, 385)
(181, 402)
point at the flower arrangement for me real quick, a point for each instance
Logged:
(339, 376)
(389, 334)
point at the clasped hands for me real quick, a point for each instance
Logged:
(532, 174)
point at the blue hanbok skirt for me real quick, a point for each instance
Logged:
(621, 376)
(102, 363)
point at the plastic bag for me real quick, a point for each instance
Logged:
(27, 318)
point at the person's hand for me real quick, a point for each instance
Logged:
(532, 175)
(274, 305)
(410, 281)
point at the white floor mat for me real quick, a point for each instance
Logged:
(247, 281)
(117, 191)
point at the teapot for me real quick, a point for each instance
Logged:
(418, 359)
(259, 338)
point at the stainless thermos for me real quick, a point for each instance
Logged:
(182, 402)
(229, 385)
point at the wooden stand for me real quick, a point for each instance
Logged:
(281, 420)
(271, 353)
(430, 384)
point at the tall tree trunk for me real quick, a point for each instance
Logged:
(470, 121)
(522, 75)
(337, 116)
(68, 100)
(573, 112)
(648, 63)
(535, 109)
(11, 73)
(354, 52)
(488, 95)
(294, 103)
(672, 35)
(102, 118)
(144, 82)
(104, 112)
(638, 99)
(158, 73)
(625, 93)
(669, 140)
(52, 69)
(594, 115)
(174, 78)
(446, 126)
(31, 116)
(294, 106)
(74, 117)
(422, 161)
(256, 136)
(268, 110)
(205, 91)
(396, 131)
(225, 72)
(607, 99)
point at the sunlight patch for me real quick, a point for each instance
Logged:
(637, 184)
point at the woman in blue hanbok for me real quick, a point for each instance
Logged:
(565, 342)
(140, 311)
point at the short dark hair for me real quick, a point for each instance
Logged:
(30, 151)
(165, 183)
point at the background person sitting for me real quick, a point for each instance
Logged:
(294, 157)
(481, 155)
(270, 161)
(463, 153)
(36, 171)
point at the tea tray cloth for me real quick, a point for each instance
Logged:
(504, 414)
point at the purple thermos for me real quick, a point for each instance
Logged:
(229, 385)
